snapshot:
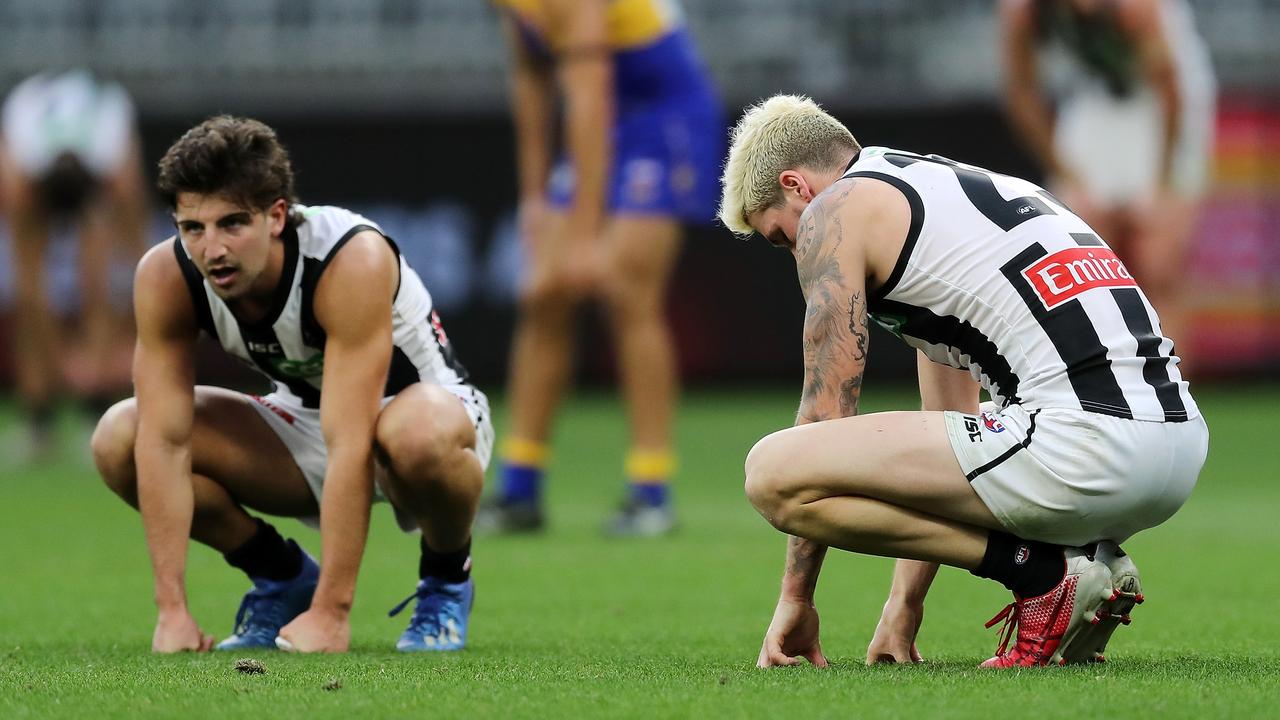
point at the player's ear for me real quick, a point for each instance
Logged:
(793, 182)
(277, 214)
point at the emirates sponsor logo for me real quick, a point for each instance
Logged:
(1065, 274)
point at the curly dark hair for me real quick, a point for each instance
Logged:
(237, 158)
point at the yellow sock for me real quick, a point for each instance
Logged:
(528, 453)
(650, 467)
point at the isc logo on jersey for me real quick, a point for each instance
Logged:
(1065, 274)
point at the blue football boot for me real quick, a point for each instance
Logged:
(271, 605)
(439, 621)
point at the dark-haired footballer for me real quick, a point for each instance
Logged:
(369, 402)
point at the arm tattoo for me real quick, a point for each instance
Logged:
(804, 561)
(835, 325)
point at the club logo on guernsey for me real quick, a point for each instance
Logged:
(310, 367)
(1065, 274)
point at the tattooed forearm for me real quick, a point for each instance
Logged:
(851, 387)
(804, 562)
(835, 327)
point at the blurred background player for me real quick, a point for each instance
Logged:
(642, 133)
(69, 153)
(1129, 148)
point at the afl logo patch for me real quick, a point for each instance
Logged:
(992, 422)
(1021, 555)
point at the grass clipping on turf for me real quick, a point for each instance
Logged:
(249, 666)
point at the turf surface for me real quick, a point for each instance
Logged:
(570, 624)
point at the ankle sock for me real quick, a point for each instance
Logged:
(452, 567)
(267, 555)
(1027, 567)
(649, 473)
(521, 472)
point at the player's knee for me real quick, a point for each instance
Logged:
(423, 438)
(768, 486)
(112, 446)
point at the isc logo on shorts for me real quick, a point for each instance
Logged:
(972, 427)
(1065, 274)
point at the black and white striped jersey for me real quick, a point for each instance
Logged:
(999, 278)
(288, 344)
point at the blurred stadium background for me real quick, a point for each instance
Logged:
(398, 108)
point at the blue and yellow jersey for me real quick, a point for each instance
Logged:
(629, 23)
(654, 55)
(668, 135)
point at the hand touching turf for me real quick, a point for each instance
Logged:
(895, 638)
(177, 631)
(793, 634)
(316, 631)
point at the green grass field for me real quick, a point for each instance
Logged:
(569, 624)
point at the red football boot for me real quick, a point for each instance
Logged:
(1053, 623)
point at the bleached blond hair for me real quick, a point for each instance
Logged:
(784, 132)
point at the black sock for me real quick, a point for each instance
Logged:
(267, 555)
(1027, 567)
(452, 567)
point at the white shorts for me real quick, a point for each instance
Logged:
(1113, 144)
(1072, 477)
(299, 429)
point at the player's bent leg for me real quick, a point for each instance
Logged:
(236, 460)
(901, 458)
(426, 441)
(641, 251)
(539, 368)
(889, 484)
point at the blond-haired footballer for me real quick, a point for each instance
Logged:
(1089, 437)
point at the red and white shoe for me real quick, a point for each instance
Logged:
(1049, 627)
(1126, 592)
